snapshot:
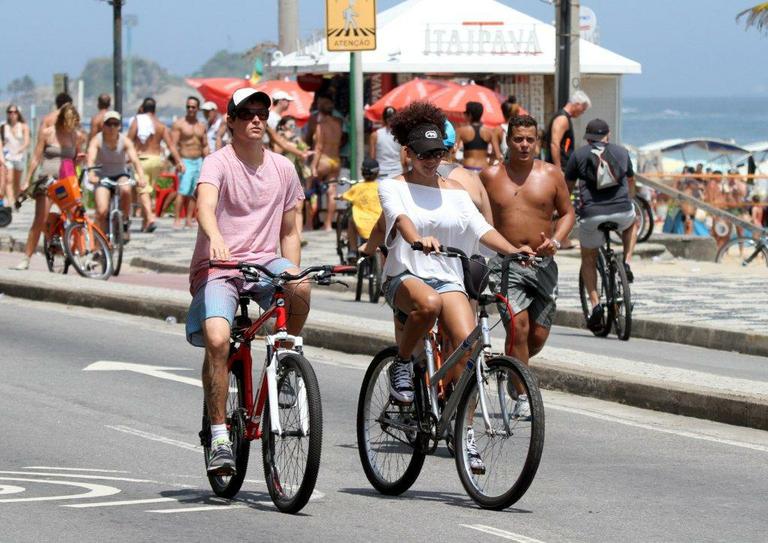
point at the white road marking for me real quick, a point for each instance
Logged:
(78, 469)
(80, 476)
(93, 491)
(161, 372)
(681, 433)
(205, 508)
(155, 437)
(123, 502)
(511, 536)
(10, 489)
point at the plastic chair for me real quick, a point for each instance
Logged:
(164, 196)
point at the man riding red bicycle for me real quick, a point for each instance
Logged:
(246, 199)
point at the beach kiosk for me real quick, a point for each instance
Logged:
(479, 40)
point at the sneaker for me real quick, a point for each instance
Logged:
(286, 395)
(401, 381)
(522, 409)
(476, 464)
(595, 320)
(628, 271)
(221, 461)
(23, 265)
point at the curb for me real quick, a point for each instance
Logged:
(159, 266)
(648, 394)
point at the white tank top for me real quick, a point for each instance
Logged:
(388, 154)
(13, 138)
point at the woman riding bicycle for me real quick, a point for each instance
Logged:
(422, 206)
(55, 152)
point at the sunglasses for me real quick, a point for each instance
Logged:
(12, 111)
(247, 114)
(112, 123)
(431, 155)
(191, 107)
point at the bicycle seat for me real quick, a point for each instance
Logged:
(608, 226)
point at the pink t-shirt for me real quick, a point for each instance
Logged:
(249, 212)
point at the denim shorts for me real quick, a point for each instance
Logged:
(390, 286)
(220, 297)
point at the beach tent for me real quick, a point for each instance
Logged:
(670, 156)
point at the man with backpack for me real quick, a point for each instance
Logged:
(606, 185)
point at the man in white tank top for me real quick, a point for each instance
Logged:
(385, 150)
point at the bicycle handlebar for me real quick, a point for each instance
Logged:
(458, 253)
(251, 268)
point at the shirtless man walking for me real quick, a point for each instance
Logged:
(524, 193)
(190, 137)
(97, 121)
(326, 162)
(147, 133)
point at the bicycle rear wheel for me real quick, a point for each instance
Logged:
(342, 241)
(55, 258)
(741, 251)
(362, 273)
(644, 233)
(88, 251)
(386, 432)
(602, 289)
(511, 449)
(117, 239)
(227, 486)
(374, 278)
(622, 302)
(292, 459)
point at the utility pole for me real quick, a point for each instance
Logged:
(130, 21)
(117, 55)
(288, 23)
(562, 52)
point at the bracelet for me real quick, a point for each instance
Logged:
(556, 244)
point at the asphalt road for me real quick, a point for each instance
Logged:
(129, 441)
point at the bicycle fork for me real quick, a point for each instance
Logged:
(270, 374)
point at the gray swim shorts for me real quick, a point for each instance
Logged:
(533, 288)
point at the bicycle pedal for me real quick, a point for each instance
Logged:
(477, 471)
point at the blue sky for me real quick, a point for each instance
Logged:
(686, 47)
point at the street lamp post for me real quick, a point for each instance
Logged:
(117, 55)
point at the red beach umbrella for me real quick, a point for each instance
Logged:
(402, 95)
(454, 99)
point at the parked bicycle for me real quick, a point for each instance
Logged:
(482, 409)
(745, 251)
(70, 236)
(283, 408)
(612, 289)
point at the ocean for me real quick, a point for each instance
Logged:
(645, 120)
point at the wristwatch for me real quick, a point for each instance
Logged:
(556, 244)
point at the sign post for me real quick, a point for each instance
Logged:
(351, 26)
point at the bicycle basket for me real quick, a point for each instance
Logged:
(65, 192)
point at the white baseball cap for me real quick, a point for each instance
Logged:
(209, 106)
(112, 115)
(281, 95)
(243, 95)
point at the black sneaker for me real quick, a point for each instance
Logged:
(401, 381)
(628, 271)
(221, 461)
(595, 320)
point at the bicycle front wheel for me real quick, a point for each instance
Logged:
(227, 486)
(54, 254)
(743, 251)
(386, 432)
(644, 233)
(88, 251)
(511, 447)
(117, 239)
(362, 272)
(622, 302)
(374, 278)
(292, 458)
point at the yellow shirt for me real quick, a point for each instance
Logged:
(366, 208)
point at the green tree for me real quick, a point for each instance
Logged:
(756, 16)
(21, 87)
(225, 64)
(149, 77)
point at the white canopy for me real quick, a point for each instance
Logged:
(457, 36)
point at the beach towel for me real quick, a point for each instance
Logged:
(145, 127)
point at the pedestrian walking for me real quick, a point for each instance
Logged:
(14, 134)
(559, 140)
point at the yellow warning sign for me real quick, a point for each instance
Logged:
(350, 25)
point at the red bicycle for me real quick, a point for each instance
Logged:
(284, 409)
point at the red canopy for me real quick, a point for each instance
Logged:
(219, 89)
(402, 95)
(453, 100)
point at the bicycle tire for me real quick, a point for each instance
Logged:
(504, 481)
(586, 305)
(295, 394)
(622, 298)
(117, 239)
(411, 459)
(229, 486)
(645, 233)
(342, 241)
(55, 257)
(362, 271)
(739, 250)
(374, 278)
(77, 249)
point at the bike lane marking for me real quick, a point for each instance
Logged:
(161, 372)
(155, 437)
(511, 536)
(11, 489)
(222, 507)
(78, 469)
(120, 502)
(92, 490)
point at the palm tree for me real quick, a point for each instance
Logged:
(756, 16)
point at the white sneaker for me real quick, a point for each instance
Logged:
(23, 265)
(476, 464)
(522, 410)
